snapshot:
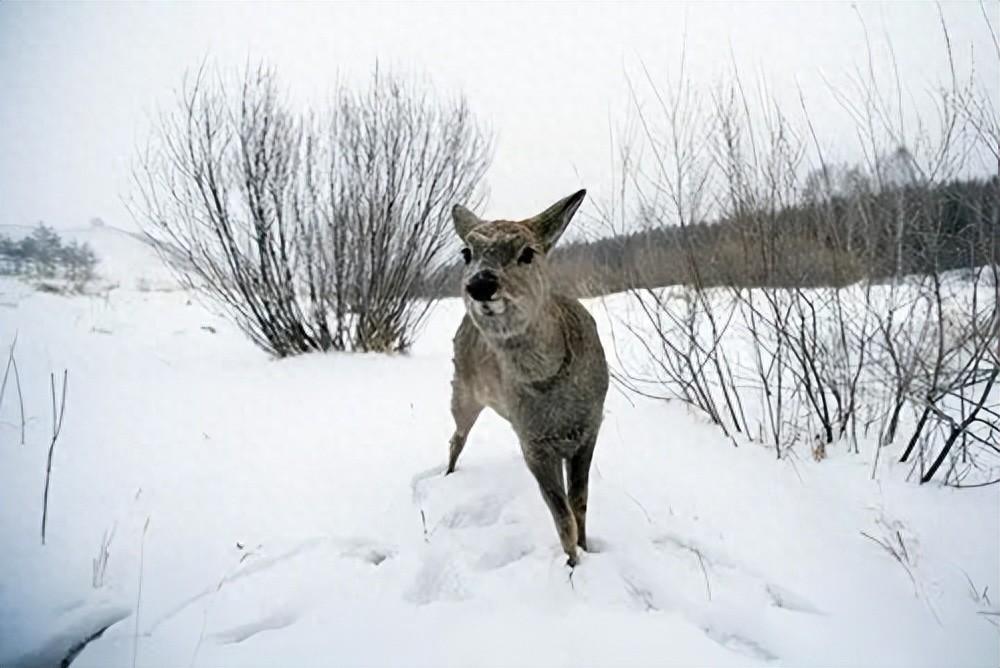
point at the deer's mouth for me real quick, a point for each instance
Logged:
(490, 307)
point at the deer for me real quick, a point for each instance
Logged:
(532, 355)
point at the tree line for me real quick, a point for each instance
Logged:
(43, 254)
(806, 244)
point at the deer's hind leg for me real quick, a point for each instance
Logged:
(548, 472)
(579, 482)
(465, 408)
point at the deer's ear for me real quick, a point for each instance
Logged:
(551, 223)
(464, 220)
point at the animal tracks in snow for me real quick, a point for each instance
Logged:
(272, 622)
(789, 600)
(482, 512)
(475, 524)
(489, 540)
(437, 579)
(716, 566)
(511, 549)
(257, 562)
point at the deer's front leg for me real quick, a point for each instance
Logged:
(579, 475)
(465, 409)
(548, 472)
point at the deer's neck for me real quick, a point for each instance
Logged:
(537, 353)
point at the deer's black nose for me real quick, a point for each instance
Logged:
(483, 285)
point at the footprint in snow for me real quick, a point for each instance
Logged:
(272, 622)
(740, 645)
(419, 482)
(649, 591)
(257, 561)
(480, 512)
(438, 579)
(597, 545)
(511, 549)
(715, 562)
(789, 600)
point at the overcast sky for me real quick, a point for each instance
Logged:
(79, 83)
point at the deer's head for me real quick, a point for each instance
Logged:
(506, 280)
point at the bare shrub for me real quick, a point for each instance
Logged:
(309, 231)
(400, 163)
(680, 332)
(805, 341)
(942, 355)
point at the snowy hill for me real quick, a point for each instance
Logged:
(293, 512)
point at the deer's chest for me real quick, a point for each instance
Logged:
(559, 414)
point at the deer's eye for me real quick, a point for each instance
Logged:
(467, 255)
(526, 256)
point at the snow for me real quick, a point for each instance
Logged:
(298, 515)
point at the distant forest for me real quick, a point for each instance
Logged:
(833, 240)
(42, 254)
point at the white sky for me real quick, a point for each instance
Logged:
(79, 83)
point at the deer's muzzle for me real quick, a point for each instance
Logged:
(483, 286)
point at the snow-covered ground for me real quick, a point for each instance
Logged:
(294, 513)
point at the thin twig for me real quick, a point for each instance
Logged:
(138, 595)
(12, 364)
(57, 420)
(704, 571)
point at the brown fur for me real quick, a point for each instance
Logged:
(533, 356)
